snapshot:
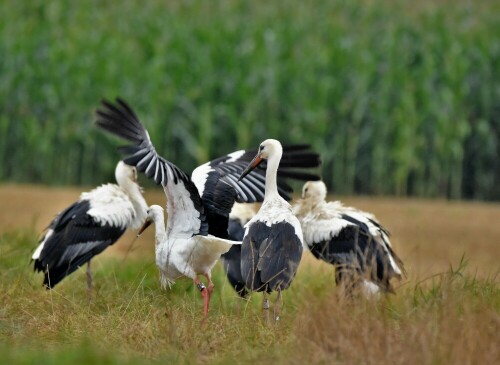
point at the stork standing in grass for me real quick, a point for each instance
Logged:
(272, 245)
(183, 250)
(198, 207)
(351, 240)
(87, 227)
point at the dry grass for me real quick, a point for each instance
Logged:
(453, 321)
(441, 315)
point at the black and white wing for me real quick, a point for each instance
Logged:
(239, 216)
(82, 231)
(218, 185)
(271, 255)
(229, 168)
(185, 209)
(346, 237)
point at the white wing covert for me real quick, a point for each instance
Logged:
(110, 205)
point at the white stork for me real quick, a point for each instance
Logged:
(180, 253)
(198, 207)
(88, 226)
(272, 245)
(351, 240)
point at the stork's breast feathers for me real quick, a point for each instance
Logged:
(277, 210)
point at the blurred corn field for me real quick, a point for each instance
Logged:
(400, 97)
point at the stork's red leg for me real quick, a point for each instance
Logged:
(210, 286)
(204, 294)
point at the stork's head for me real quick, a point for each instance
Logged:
(125, 173)
(314, 190)
(154, 212)
(268, 149)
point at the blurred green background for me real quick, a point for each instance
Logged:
(400, 97)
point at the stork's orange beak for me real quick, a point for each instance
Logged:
(146, 224)
(257, 160)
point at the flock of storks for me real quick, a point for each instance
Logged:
(209, 217)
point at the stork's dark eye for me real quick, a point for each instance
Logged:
(261, 147)
(306, 190)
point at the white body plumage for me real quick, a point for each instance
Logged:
(180, 255)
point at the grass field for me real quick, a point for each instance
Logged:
(446, 312)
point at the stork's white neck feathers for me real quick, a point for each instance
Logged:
(274, 209)
(159, 221)
(273, 162)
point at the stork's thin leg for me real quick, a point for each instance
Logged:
(210, 286)
(265, 308)
(277, 307)
(89, 281)
(346, 280)
(204, 293)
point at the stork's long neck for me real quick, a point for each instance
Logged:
(159, 221)
(271, 178)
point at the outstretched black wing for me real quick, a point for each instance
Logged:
(120, 120)
(218, 185)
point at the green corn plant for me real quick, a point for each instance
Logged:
(398, 98)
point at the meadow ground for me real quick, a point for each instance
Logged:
(447, 311)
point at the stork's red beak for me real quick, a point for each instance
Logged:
(146, 224)
(257, 160)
